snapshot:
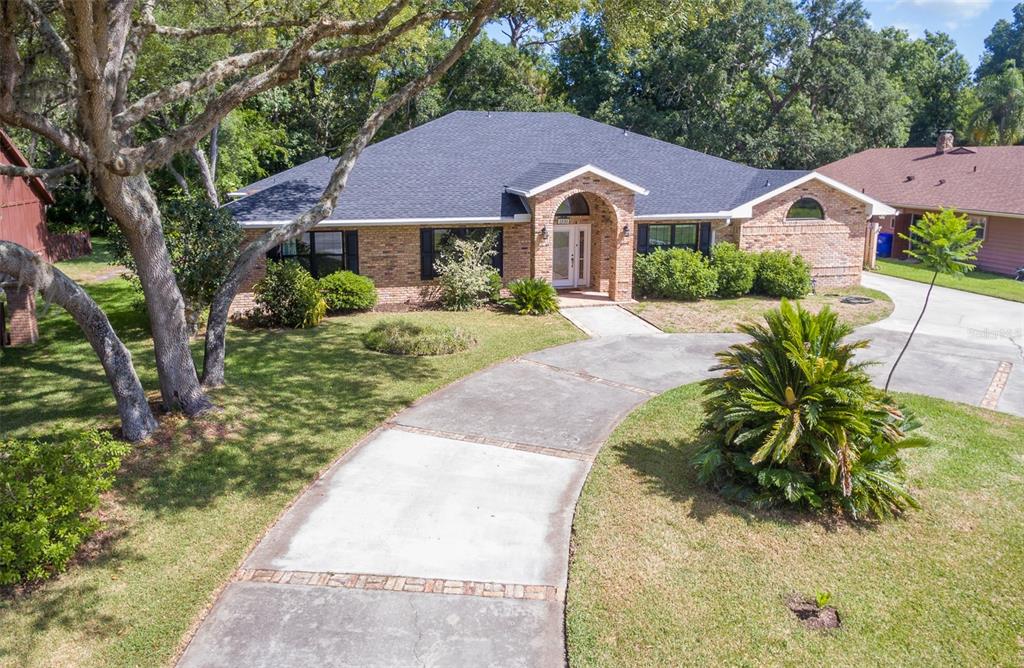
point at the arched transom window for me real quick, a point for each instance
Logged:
(574, 205)
(806, 208)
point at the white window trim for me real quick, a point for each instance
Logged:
(980, 221)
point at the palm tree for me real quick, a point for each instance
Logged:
(944, 243)
(1000, 112)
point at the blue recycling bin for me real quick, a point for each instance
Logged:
(884, 247)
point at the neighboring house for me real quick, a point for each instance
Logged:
(984, 182)
(572, 201)
(23, 205)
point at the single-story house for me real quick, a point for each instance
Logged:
(572, 201)
(984, 182)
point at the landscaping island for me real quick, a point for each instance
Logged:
(666, 572)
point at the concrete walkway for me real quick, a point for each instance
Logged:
(607, 320)
(442, 539)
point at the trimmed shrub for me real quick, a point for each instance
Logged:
(532, 296)
(736, 269)
(677, 273)
(403, 337)
(289, 296)
(46, 491)
(345, 291)
(465, 273)
(796, 421)
(782, 274)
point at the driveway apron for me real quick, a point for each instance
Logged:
(442, 539)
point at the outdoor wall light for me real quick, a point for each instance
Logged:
(544, 232)
(627, 231)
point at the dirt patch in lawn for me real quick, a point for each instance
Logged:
(722, 315)
(811, 615)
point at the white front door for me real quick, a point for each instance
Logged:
(570, 256)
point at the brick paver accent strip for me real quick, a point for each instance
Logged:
(495, 442)
(998, 384)
(402, 583)
(582, 375)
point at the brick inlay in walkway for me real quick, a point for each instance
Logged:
(998, 384)
(402, 583)
(496, 442)
(582, 375)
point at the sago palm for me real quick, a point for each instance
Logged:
(795, 419)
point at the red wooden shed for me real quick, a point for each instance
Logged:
(23, 205)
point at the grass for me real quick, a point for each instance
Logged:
(97, 266)
(666, 573)
(189, 503)
(400, 336)
(722, 315)
(978, 282)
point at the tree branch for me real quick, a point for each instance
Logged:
(213, 363)
(49, 176)
(158, 151)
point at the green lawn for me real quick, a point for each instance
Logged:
(190, 503)
(665, 573)
(980, 282)
(722, 315)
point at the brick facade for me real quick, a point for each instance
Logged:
(834, 247)
(611, 212)
(390, 255)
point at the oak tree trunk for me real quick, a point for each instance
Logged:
(132, 204)
(27, 268)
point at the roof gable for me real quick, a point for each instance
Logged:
(13, 156)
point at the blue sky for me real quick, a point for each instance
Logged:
(968, 22)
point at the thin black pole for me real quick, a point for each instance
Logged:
(914, 329)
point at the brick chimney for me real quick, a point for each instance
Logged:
(945, 141)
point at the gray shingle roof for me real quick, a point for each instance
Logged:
(459, 165)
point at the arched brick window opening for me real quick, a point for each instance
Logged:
(574, 205)
(806, 208)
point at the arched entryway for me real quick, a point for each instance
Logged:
(572, 243)
(583, 233)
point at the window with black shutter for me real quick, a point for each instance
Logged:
(321, 253)
(432, 240)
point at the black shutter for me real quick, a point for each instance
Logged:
(704, 238)
(499, 247)
(641, 238)
(426, 253)
(352, 251)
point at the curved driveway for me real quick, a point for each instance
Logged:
(442, 539)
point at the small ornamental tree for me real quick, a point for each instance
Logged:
(203, 242)
(795, 421)
(944, 243)
(465, 273)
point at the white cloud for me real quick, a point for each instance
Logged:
(959, 8)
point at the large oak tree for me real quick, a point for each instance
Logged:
(85, 53)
